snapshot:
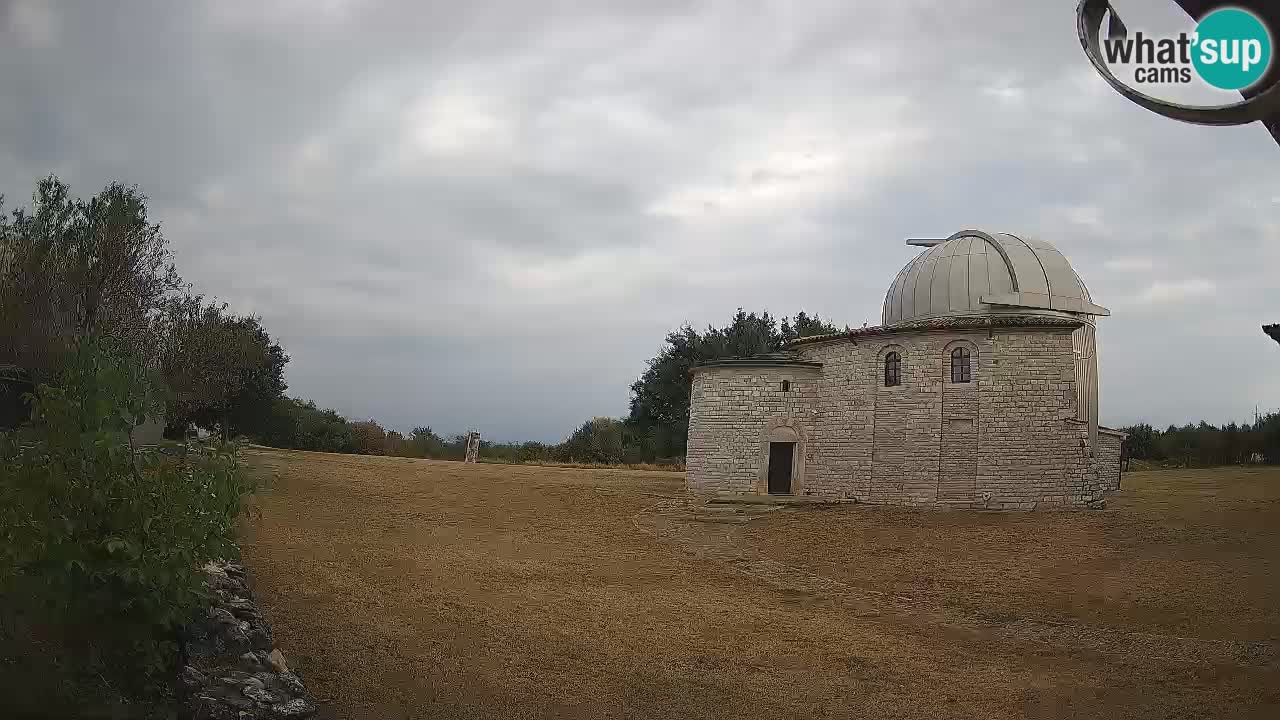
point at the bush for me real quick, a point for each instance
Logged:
(100, 543)
(598, 440)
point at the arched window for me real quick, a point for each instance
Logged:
(892, 369)
(961, 371)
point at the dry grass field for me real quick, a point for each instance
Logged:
(417, 589)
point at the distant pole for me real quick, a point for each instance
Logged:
(473, 447)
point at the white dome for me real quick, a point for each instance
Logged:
(976, 273)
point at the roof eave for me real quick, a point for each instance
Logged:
(946, 323)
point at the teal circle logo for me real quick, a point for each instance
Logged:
(1232, 49)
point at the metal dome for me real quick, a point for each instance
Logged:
(976, 273)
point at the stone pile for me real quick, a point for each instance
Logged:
(235, 672)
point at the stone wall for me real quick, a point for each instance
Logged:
(1010, 439)
(731, 413)
(234, 671)
(1106, 458)
(1033, 450)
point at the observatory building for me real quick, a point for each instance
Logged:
(979, 390)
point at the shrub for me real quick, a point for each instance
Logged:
(598, 440)
(101, 543)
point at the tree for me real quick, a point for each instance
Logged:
(102, 542)
(1141, 441)
(223, 370)
(806, 326)
(76, 268)
(1267, 430)
(598, 440)
(324, 430)
(368, 437)
(424, 443)
(658, 424)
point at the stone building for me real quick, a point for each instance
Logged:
(980, 389)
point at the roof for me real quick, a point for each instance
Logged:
(954, 322)
(762, 360)
(978, 273)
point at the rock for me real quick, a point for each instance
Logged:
(264, 696)
(296, 708)
(204, 647)
(222, 616)
(236, 678)
(208, 707)
(223, 581)
(249, 662)
(192, 679)
(291, 683)
(260, 638)
(236, 640)
(243, 609)
(276, 659)
(238, 702)
(269, 680)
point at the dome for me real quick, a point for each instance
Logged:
(976, 273)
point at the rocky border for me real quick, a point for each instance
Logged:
(231, 667)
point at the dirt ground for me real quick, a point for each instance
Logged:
(417, 589)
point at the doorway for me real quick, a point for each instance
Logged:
(781, 455)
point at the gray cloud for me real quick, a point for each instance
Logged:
(490, 214)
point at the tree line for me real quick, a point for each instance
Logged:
(74, 268)
(1206, 445)
(654, 432)
(99, 267)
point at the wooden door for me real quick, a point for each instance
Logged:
(780, 457)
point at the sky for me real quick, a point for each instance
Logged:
(489, 214)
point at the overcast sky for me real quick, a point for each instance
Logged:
(489, 214)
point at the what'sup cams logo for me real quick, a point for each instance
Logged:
(1230, 49)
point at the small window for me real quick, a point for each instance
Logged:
(786, 386)
(961, 371)
(892, 369)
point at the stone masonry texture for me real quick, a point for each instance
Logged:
(1010, 439)
(1107, 459)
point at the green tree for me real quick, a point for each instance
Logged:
(1268, 433)
(73, 268)
(598, 440)
(100, 544)
(658, 423)
(369, 437)
(224, 370)
(424, 443)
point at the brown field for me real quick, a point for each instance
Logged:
(412, 589)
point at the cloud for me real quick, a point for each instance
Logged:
(32, 23)
(1176, 291)
(1129, 264)
(490, 214)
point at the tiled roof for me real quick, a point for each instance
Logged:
(777, 359)
(951, 322)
